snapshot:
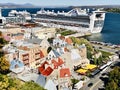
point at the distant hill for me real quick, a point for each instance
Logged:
(29, 5)
(97, 6)
(13, 5)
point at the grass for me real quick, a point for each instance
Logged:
(68, 32)
(74, 81)
(105, 54)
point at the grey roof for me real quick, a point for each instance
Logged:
(34, 40)
(13, 63)
(26, 75)
(41, 80)
(56, 53)
(50, 85)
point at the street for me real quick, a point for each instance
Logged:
(103, 48)
(97, 82)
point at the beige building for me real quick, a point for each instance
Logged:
(40, 32)
(75, 57)
(12, 33)
(30, 54)
(33, 55)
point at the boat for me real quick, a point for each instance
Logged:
(12, 19)
(75, 19)
(24, 14)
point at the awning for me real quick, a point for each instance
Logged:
(90, 66)
(81, 71)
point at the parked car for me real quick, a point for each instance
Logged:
(100, 47)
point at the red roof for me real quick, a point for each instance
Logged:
(60, 61)
(47, 71)
(65, 72)
(42, 67)
(68, 40)
(56, 64)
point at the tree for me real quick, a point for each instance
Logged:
(111, 86)
(1, 53)
(2, 41)
(81, 41)
(4, 65)
(31, 86)
(4, 82)
(50, 40)
(49, 49)
(8, 83)
(113, 79)
(14, 84)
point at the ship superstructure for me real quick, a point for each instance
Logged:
(24, 14)
(76, 19)
(11, 19)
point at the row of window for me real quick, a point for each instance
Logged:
(99, 23)
(15, 20)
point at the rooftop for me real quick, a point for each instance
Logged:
(65, 72)
(34, 41)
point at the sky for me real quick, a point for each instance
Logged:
(64, 2)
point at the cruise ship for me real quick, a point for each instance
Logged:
(75, 19)
(24, 14)
(11, 19)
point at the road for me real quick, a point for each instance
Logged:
(103, 48)
(97, 82)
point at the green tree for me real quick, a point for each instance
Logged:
(113, 79)
(50, 40)
(14, 84)
(1, 53)
(81, 41)
(112, 86)
(89, 54)
(31, 86)
(8, 83)
(4, 65)
(4, 82)
(49, 49)
(2, 41)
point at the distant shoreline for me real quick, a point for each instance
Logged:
(113, 10)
